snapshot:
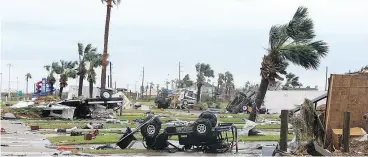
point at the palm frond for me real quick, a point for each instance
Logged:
(88, 48)
(80, 49)
(277, 37)
(301, 28)
(320, 47)
(302, 55)
(47, 67)
(116, 2)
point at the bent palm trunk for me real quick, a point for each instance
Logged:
(259, 98)
(106, 40)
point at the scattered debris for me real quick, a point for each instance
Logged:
(9, 116)
(248, 126)
(22, 104)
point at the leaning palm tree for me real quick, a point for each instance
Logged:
(106, 39)
(28, 76)
(95, 60)
(292, 42)
(66, 70)
(82, 70)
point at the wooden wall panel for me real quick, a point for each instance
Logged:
(347, 93)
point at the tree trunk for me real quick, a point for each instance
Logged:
(199, 86)
(90, 89)
(106, 40)
(27, 87)
(61, 91)
(150, 92)
(51, 89)
(259, 98)
(80, 86)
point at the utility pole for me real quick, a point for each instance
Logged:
(9, 65)
(142, 87)
(327, 79)
(179, 81)
(108, 81)
(110, 75)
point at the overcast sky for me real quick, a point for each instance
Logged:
(230, 35)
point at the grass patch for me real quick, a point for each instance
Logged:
(78, 125)
(116, 151)
(113, 138)
(268, 126)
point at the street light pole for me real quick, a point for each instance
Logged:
(9, 65)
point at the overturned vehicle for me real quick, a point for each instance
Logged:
(202, 135)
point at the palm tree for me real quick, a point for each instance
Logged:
(292, 81)
(106, 39)
(28, 76)
(157, 89)
(82, 70)
(186, 81)
(172, 84)
(146, 90)
(151, 87)
(66, 70)
(229, 81)
(203, 71)
(292, 42)
(50, 78)
(95, 60)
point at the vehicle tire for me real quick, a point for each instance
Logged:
(105, 94)
(151, 130)
(161, 142)
(149, 143)
(185, 103)
(210, 116)
(245, 108)
(187, 147)
(202, 127)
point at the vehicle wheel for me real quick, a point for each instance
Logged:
(161, 142)
(210, 116)
(105, 94)
(245, 108)
(202, 127)
(187, 147)
(185, 103)
(151, 130)
(149, 143)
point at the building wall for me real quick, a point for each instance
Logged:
(276, 101)
(73, 90)
(347, 93)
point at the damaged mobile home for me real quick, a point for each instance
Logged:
(99, 107)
